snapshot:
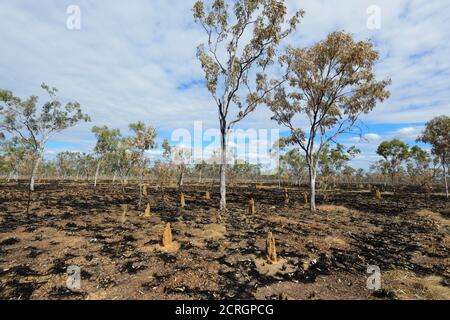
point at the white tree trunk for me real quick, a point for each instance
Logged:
(223, 166)
(445, 181)
(181, 179)
(312, 187)
(96, 174)
(34, 171)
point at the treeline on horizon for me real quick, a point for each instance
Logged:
(331, 84)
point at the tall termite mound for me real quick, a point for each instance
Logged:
(144, 190)
(305, 198)
(286, 196)
(251, 206)
(167, 240)
(123, 217)
(182, 200)
(271, 252)
(147, 212)
(377, 194)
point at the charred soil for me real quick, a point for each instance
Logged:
(325, 254)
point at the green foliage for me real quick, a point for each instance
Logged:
(332, 84)
(333, 160)
(437, 133)
(394, 153)
(107, 140)
(32, 126)
(293, 163)
(167, 149)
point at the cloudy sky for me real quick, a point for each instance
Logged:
(135, 61)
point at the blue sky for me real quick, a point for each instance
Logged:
(135, 61)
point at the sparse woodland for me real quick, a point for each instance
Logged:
(121, 211)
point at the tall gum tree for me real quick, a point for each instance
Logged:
(395, 153)
(33, 127)
(331, 84)
(243, 36)
(106, 146)
(143, 140)
(437, 133)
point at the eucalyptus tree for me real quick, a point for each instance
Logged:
(34, 127)
(66, 163)
(142, 140)
(332, 162)
(181, 157)
(295, 163)
(200, 168)
(331, 84)
(348, 173)
(437, 133)
(395, 153)
(243, 37)
(106, 146)
(13, 153)
(419, 167)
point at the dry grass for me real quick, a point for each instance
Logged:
(281, 220)
(407, 286)
(434, 216)
(333, 208)
(337, 242)
(212, 232)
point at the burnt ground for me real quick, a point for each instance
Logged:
(324, 255)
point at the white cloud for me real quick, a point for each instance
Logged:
(154, 152)
(372, 137)
(408, 133)
(129, 61)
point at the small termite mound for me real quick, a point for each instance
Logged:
(251, 206)
(305, 198)
(182, 200)
(377, 194)
(207, 196)
(147, 212)
(167, 244)
(123, 217)
(271, 251)
(286, 196)
(270, 264)
(167, 240)
(144, 190)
